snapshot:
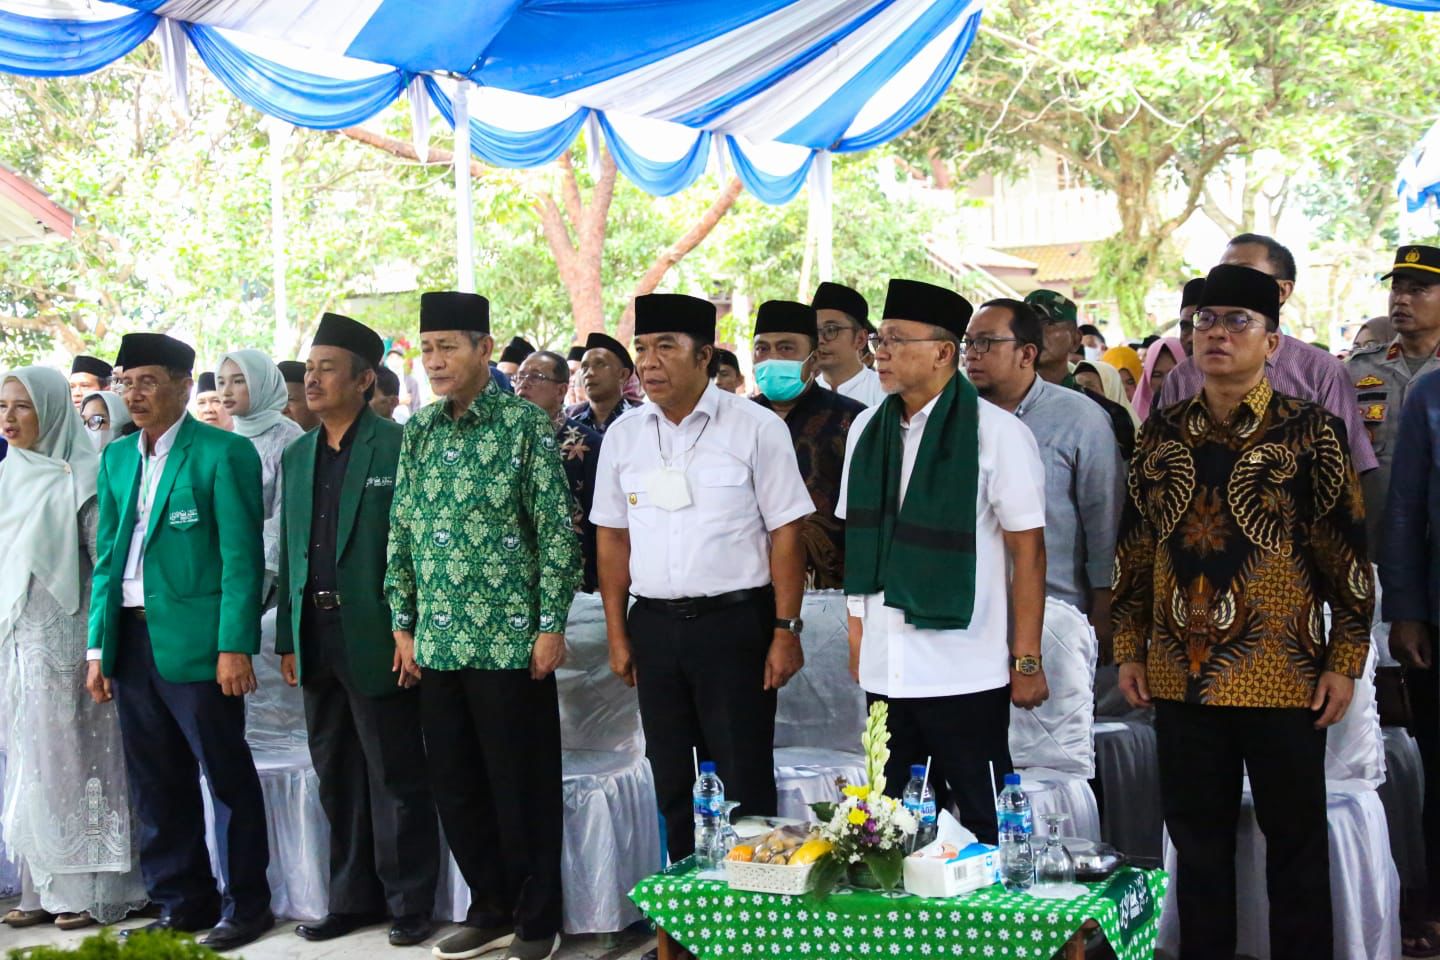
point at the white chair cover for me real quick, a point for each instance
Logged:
(1354, 748)
(1058, 735)
(1364, 886)
(1127, 766)
(1403, 796)
(9, 869)
(275, 712)
(820, 713)
(1053, 792)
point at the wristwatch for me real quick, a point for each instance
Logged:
(794, 626)
(1027, 666)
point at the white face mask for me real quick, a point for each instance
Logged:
(1094, 353)
(99, 438)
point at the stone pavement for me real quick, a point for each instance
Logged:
(282, 944)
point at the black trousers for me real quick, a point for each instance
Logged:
(369, 755)
(963, 735)
(171, 734)
(701, 684)
(1202, 753)
(493, 743)
(1424, 689)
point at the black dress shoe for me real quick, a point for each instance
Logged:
(411, 929)
(233, 934)
(338, 925)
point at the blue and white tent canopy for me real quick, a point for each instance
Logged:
(765, 84)
(1418, 180)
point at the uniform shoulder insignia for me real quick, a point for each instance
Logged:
(1394, 352)
(1370, 380)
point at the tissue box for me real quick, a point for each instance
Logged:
(939, 870)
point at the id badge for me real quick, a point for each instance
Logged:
(669, 490)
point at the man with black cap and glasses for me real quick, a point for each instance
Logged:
(296, 409)
(604, 371)
(818, 420)
(931, 584)
(88, 375)
(333, 636)
(843, 323)
(174, 621)
(698, 510)
(1243, 522)
(483, 567)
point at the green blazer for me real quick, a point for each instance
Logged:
(204, 561)
(360, 545)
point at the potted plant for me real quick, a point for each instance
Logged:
(867, 830)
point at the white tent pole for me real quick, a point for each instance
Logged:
(279, 132)
(823, 203)
(464, 213)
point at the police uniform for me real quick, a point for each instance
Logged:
(1382, 379)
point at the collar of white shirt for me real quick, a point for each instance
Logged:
(922, 415)
(708, 404)
(166, 441)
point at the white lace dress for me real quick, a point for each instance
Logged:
(66, 812)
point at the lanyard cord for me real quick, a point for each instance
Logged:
(667, 464)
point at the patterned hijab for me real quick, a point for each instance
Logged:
(41, 492)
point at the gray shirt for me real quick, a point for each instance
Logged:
(1084, 488)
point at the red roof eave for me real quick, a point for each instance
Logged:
(34, 203)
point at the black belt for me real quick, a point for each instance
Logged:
(137, 612)
(326, 599)
(691, 607)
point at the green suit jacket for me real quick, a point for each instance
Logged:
(203, 561)
(360, 545)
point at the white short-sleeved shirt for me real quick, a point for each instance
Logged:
(744, 482)
(864, 387)
(899, 660)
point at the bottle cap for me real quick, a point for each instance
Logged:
(707, 766)
(917, 770)
(1011, 779)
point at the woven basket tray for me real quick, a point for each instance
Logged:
(769, 877)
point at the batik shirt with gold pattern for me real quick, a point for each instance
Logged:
(1233, 538)
(482, 553)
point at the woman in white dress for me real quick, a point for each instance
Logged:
(252, 390)
(66, 815)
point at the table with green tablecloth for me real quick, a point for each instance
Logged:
(711, 920)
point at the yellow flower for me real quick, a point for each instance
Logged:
(857, 817)
(859, 793)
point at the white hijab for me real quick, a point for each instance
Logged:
(41, 492)
(119, 415)
(1113, 386)
(268, 395)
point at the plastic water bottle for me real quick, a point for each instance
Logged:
(919, 799)
(1017, 859)
(709, 797)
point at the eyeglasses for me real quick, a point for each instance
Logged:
(882, 342)
(982, 345)
(524, 379)
(832, 330)
(1237, 322)
(143, 384)
(96, 421)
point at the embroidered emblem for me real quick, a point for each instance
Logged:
(1369, 381)
(184, 516)
(379, 481)
(1413, 256)
(442, 621)
(1393, 353)
(519, 621)
(451, 457)
(442, 538)
(511, 541)
(1374, 413)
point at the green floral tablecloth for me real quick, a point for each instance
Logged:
(713, 921)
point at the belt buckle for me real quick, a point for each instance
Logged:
(327, 599)
(685, 609)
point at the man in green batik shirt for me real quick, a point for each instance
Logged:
(483, 566)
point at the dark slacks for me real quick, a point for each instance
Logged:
(701, 684)
(1424, 688)
(369, 755)
(493, 743)
(172, 733)
(963, 735)
(1204, 752)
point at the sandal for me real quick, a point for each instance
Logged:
(26, 918)
(74, 921)
(1420, 940)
